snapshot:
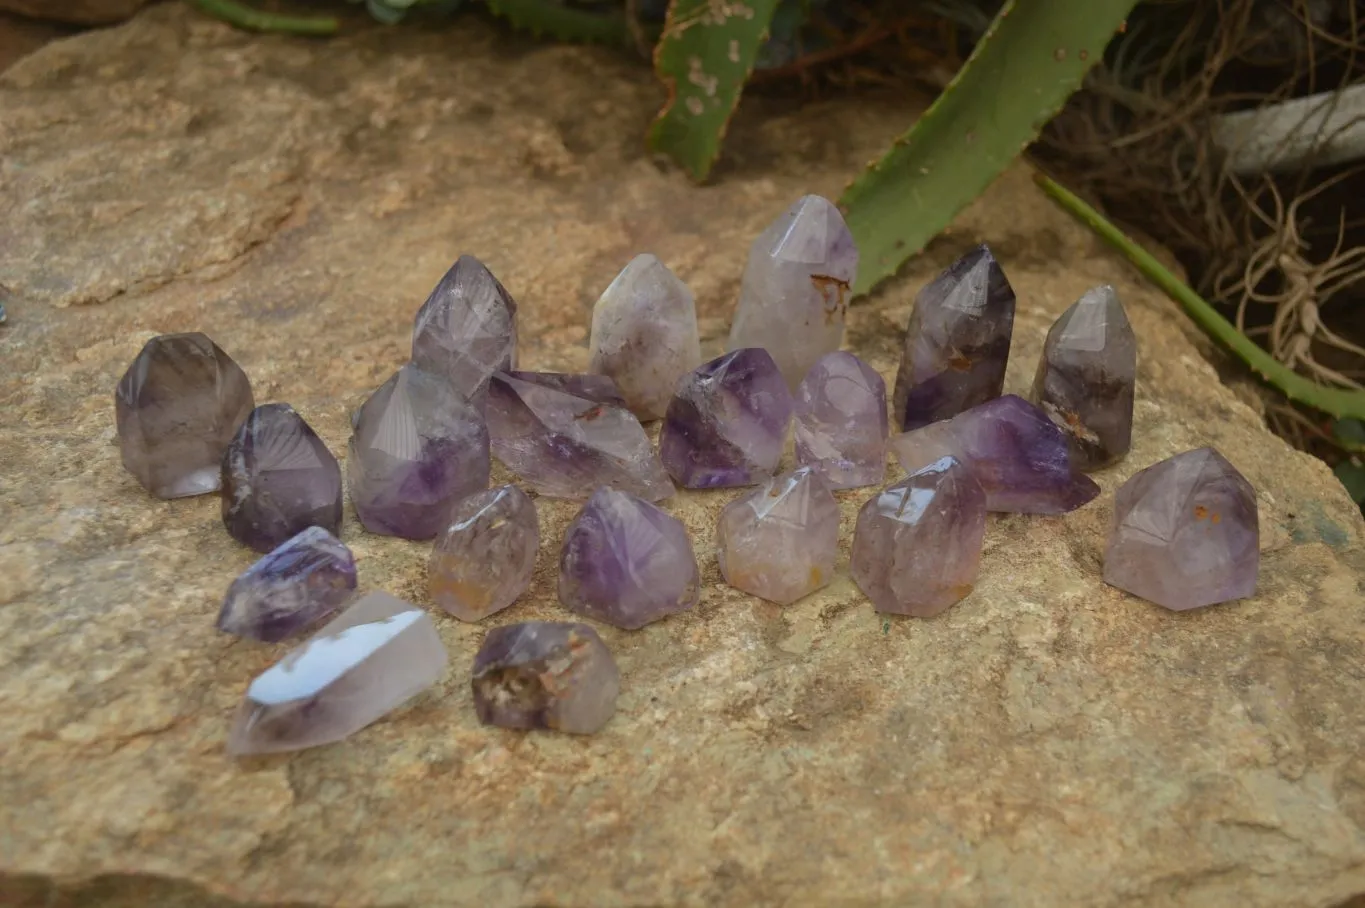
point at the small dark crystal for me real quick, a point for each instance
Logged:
(545, 674)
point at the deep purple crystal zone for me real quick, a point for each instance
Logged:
(290, 588)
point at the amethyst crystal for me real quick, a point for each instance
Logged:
(917, 544)
(841, 422)
(796, 287)
(365, 663)
(644, 335)
(1086, 375)
(485, 557)
(1020, 457)
(177, 407)
(467, 329)
(957, 343)
(545, 674)
(1185, 533)
(416, 449)
(565, 435)
(279, 479)
(303, 580)
(727, 423)
(780, 541)
(626, 562)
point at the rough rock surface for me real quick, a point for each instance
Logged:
(79, 12)
(1047, 741)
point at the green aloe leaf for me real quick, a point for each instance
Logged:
(1032, 58)
(704, 57)
(548, 18)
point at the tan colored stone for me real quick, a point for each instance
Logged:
(79, 12)
(1047, 741)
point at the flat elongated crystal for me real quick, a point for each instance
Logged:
(957, 343)
(644, 335)
(626, 562)
(1086, 376)
(780, 541)
(416, 448)
(1185, 533)
(566, 435)
(727, 423)
(917, 544)
(545, 674)
(365, 663)
(177, 407)
(467, 329)
(1020, 457)
(796, 286)
(841, 424)
(485, 557)
(279, 479)
(303, 580)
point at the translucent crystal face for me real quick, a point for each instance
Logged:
(1185, 533)
(177, 408)
(1086, 377)
(484, 559)
(780, 541)
(644, 335)
(796, 287)
(545, 674)
(626, 562)
(302, 581)
(841, 424)
(567, 435)
(467, 329)
(957, 343)
(279, 479)
(917, 544)
(727, 423)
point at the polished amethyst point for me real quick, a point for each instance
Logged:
(779, 542)
(1020, 457)
(177, 407)
(1185, 533)
(917, 544)
(365, 663)
(566, 435)
(1086, 375)
(841, 422)
(626, 562)
(467, 329)
(485, 557)
(303, 580)
(727, 423)
(279, 479)
(957, 343)
(644, 335)
(545, 674)
(416, 449)
(796, 287)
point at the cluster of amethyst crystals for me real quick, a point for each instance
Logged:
(419, 457)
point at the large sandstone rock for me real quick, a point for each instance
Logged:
(1049, 741)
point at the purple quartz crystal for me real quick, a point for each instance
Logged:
(957, 343)
(177, 407)
(545, 674)
(1020, 457)
(304, 579)
(1086, 375)
(1185, 533)
(796, 287)
(485, 557)
(565, 435)
(727, 423)
(841, 422)
(780, 541)
(917, 544)
(644, 335)
(416, 449)
(365, 663)
(279, 479)
(626, 562)
(467, 329)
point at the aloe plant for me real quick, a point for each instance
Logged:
(1032, 58)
